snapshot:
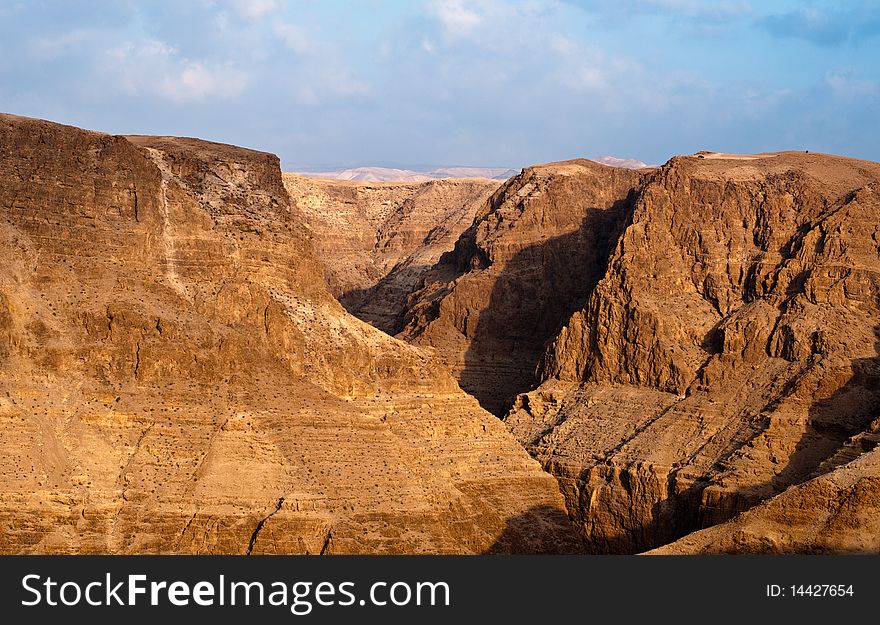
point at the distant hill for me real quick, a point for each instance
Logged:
(613, 161)
(389, 174)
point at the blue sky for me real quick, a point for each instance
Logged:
(325, 83)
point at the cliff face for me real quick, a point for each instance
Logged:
(515, 276)
(376, 240)
(175, 376)
(729, 351)
(705, 334)
(835, 513)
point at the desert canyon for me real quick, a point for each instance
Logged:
(202, 354)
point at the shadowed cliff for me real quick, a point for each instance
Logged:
(518, 273)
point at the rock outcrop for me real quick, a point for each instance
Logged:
(721, 341)
(729, 352)
(518, 273)
(832, 514)
(175, 377)
(376, 240)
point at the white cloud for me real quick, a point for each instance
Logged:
(306, 96)
(292, 37)
(582, 68)
(152, 67)
(255, 9)
(585, 77)
(456, 16)
(329, 83)
(757, 102)
(195, 81)
(844, 83)
(61, 45)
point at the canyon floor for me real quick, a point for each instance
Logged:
(202, 354)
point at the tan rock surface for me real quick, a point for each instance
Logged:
(726, 350)
(175, 377)
(729, 351)
(695, 346)
(517, 274)
(836, 513)
(376, 240)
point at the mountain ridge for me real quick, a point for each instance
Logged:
(725, 352)
(690, 354)
(391, 174)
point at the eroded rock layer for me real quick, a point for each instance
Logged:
(175, 376)
(729, 352)
(516, 275)
(705, 334)
(834, 513)
(376, 240)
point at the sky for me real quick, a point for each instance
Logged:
(419, 84)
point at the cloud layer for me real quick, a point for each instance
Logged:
(455, 82)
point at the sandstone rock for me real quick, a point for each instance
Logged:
(176, 378)
(376, 240)
(836, 513)
(517, 274)
(691, 351)
(729, 351)
(711, 331)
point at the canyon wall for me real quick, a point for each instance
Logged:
(836, 513)
(691, 352)
(376, 240)
(516, 275)
(175, 376)
(729, 351)
(721, 343)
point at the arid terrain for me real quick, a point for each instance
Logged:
(388, 174)
(175, 376)
(717, 345)
(378, 239)
(200, 354)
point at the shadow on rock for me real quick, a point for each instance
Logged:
(533, 297)
(539, 530)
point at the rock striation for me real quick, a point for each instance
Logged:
(838, 512)
(518, 273)
(376, 240)
(729, 351)
(720, 347)
(175, 376)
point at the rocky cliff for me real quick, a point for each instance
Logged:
(516, 275)
(692, 351)
(835, 513)
(175, 376)
(721, 341)
(376, 240)
(727, 353)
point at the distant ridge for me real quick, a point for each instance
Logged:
(388, 174)
(391, 174)
(613, 161)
